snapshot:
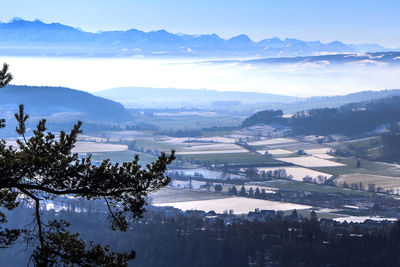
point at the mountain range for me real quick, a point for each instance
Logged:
(35, 38)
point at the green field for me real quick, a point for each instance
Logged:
(365, 143)
(367, 167)
(385, 182)
(370, 147)
(161, 146)
(301, 186)
(250, 158)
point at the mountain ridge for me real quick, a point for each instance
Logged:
(64, 40)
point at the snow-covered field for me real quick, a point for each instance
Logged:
(186, 184)
(311, 161)
(298, 173)
(212, 152)
(216, 139)
(323, 156)
(210, 149)
(360, 219)
(187, 140)
(274, 152)
(206, 173)
(213, 147)
(239, 205)
(318, 151)
(273, 141)
(82, 147)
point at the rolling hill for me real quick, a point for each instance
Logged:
(63, 103)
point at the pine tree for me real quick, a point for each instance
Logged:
(243, 191)
(251, 192)
(43, 167)
(218, 188)
(234, 191)
(257, 193)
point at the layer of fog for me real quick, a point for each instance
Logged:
(303, 80)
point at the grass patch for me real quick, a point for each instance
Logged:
(301, 186)
(231, 158)
(366, 167)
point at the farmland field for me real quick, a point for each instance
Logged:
(385, 182)
(318, 151)
(273, 141)
(301, 186)
(192, 184)
(239, 205)
(214, 139)
(98, 147)
(311, 161)
(367, 167)
(210, 174)
(297, 146)
(298, 173)
(275, 152)
(234, 158)
(170, 194)
(199, 152)
(213, 147)
(126, 135)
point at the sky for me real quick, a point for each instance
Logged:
(349, 21)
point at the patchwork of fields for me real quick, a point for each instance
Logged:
(198, 155)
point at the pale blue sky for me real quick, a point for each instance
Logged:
(350, 21)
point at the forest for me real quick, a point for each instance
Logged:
(186, 239)
(351, 119)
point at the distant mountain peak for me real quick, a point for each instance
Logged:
(241, 37)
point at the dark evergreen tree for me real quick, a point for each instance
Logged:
(218, 188)
(251, 192)
(43, 167)
(257, 193)
(242, 191)
(234, 191)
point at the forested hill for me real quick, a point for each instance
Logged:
(264, 117)
(351, 119)
(59, 101)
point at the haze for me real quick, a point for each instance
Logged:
(303, 80)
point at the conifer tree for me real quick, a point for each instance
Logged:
(43, 167)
